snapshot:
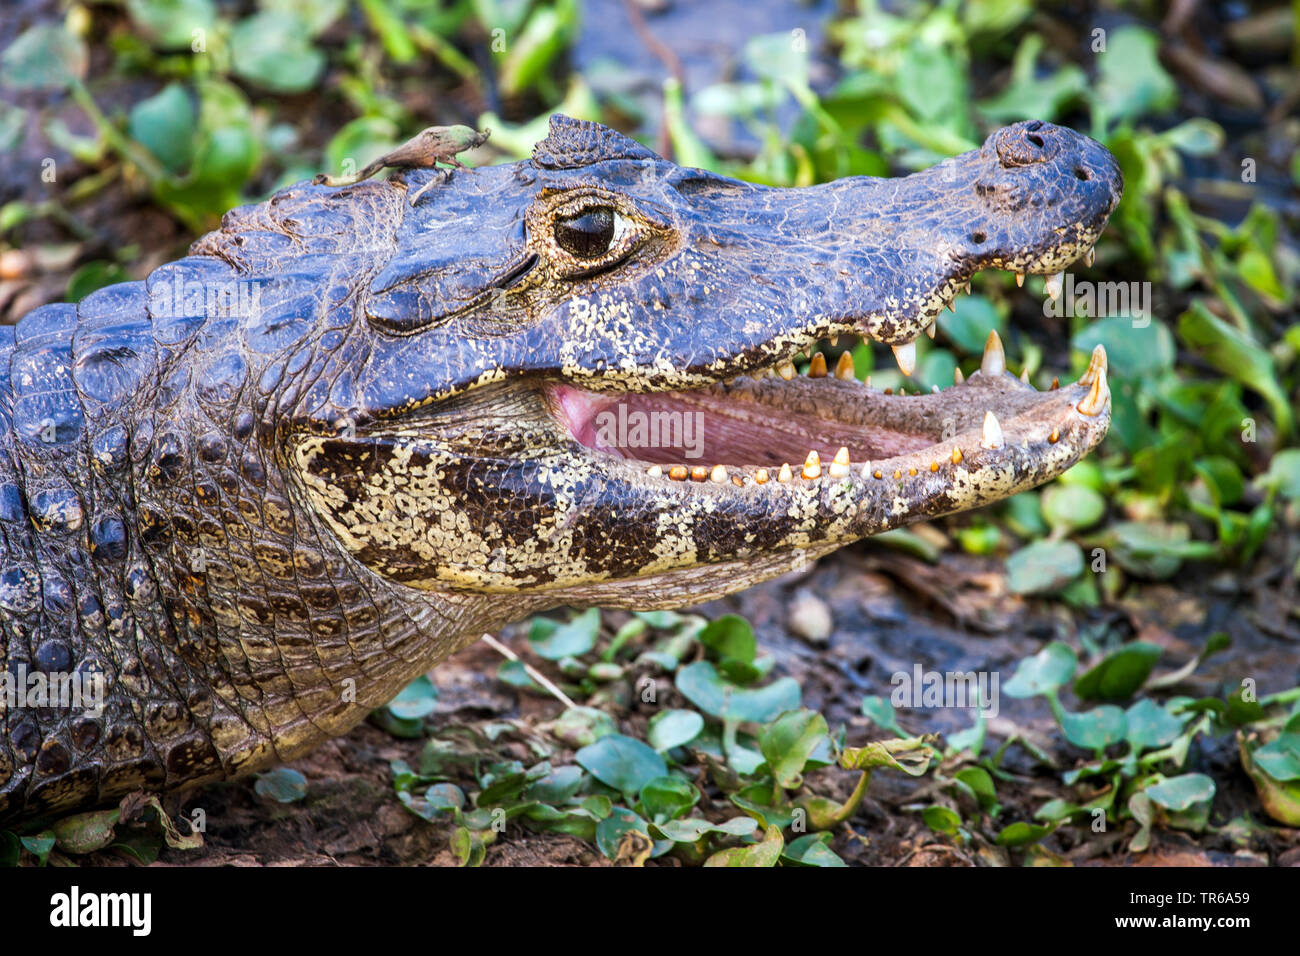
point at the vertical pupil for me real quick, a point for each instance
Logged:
(587, 234)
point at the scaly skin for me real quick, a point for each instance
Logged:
(259, 522)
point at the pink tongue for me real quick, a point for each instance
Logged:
(678, 427)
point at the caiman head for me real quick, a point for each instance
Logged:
(573, 380)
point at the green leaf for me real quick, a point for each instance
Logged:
(1119, 674)
(582, 726)
(1021, 834)
(314, 15)
(567, 640)
(85, 832)
(911, 755)
(39, 845)
(283, 785)
(1237, 355)
(1183, 793)
(667, 798)
(811, 850)
(1044, 567)
(610, 831)
(92, 276)
(171, 23)
(765, 853)
(730, 636)
(673, 728)
(969, 326)
(942, 819)
(688, 831)
(789, 741)
(418, 699)
(165, 125)
(1151, 726)
(1096, 728)
(621, 762)
(981, 784)
(1047, 671)
(1280, 758)
(274, 51)
(1131, 82)
(700, 684)
(882, 713)
(45, 57)
(1071, 508)
(1284, 474)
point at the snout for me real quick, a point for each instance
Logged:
(1035, 143)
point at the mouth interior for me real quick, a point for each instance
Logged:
(748, 424)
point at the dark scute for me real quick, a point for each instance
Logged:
(572, 143)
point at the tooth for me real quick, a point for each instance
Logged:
(1095, 401)
(738, 481)
(785, 369)
(867, 383)
(784, 474)
(654, 471)
(935, 389)
(1054, 437)
(1053, 285)
(844, 368)
(930, 329)
(1024, 375)
(840, 466)
(817, 367)
(992, 437)
(718, 475)
(678, 473)
(956, 455)
(699, 473)
(1020, 279)
(994, 362)
(1096, 364)
(812, 466)
(934, 466)
(905, 355)
(760, 476)
(1056, 383)
(966, 287)
(834, 340)
(957, 376)
(866, 469)
(1090, 256)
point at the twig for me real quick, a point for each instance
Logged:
(529, 669)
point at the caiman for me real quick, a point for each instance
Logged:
(255, 494)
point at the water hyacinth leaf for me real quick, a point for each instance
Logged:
(313, 15)
(881, 713)
(557, 787)
(611, 830)
(1284, 474)
(789, 741)
(730, 636)
(45, 57)
(942, 819)
(981, 784)
(1280, 758)
(85, 832)
(1151, 726)
(766, 853)
(1136, 347)
(515, 674)
(1095, 729)
(1054, 811)
(621, 762)
(1021, 834)
(688, 831)
(1280, 799)
(1237, 355)
(1131, 81)
(283, 785)
(272, 50)
(811, 849)
(171, 23)
(1047, 671)
(1119, 674)
(165, 125)
(417, 699)
(1071, 508)
(1044, 567)
(573, 639)
(39, 845)
(582, 726)
(673, 728)
(1187, 799)
(912, 755)
(969, 327)
(667, 798)
(702, 686)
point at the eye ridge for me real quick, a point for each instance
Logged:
(588, 233)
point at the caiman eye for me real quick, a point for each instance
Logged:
(587, 235)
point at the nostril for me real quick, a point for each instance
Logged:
(1082, 174)
(1034, 126)
(978, 238)
(1035, 139)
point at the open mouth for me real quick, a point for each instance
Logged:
(777, 425)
